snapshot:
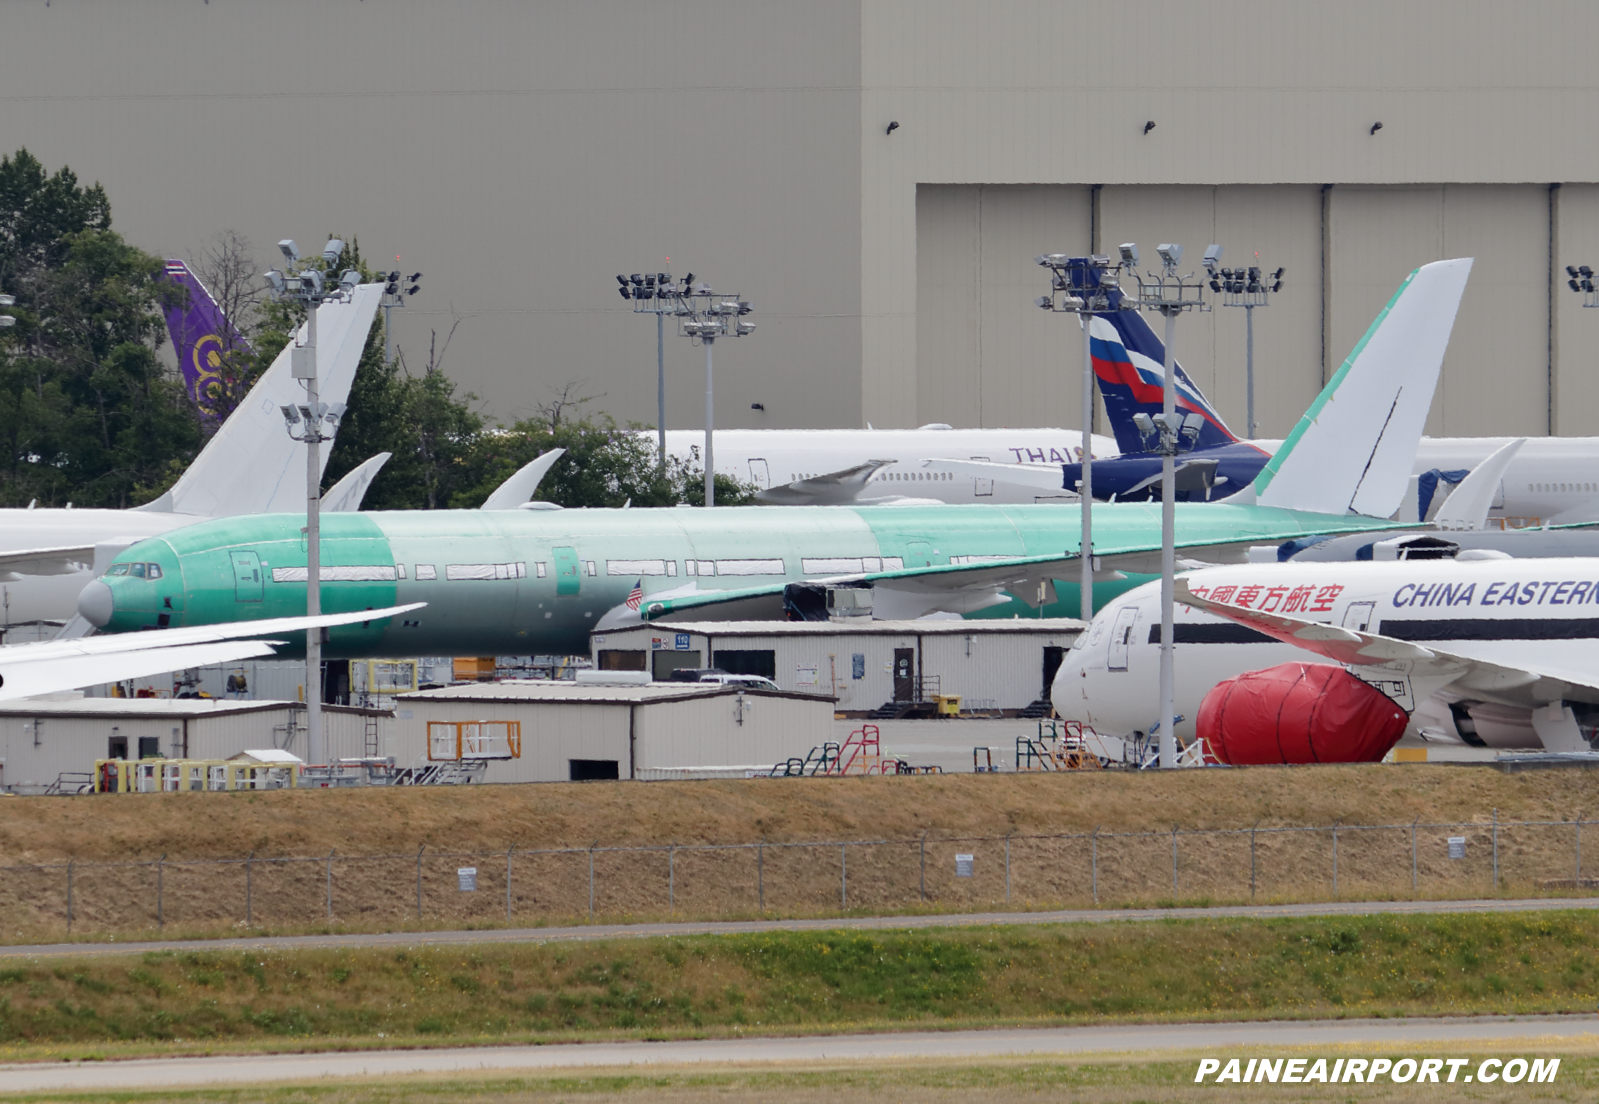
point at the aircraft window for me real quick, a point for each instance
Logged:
(635, 567)
(345, 573)
(464, 572)
(829, 565)
(699, 567)
(137, 571)
(154, 571)
(592, 571)
(749, 567)
(893, 563)
(119, 569)
(426, 571)
(399, 571)
(872, 563)
(671, 567)
(538, 568)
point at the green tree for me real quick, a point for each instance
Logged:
(88, 414)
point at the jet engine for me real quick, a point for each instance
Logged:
(1299, 713)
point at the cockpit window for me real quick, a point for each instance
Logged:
(137, 571)
(154, 571)
(119, 569)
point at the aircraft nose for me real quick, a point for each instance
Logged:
(96, 604)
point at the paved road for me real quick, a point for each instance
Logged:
(852, 923)
(977, 1045)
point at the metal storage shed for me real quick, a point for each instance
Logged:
(42, 739)
(993, 665)
(582, 731)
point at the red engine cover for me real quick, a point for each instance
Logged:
(1299, 713)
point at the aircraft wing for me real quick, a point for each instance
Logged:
(965, 587)
(30, 669)
(838, 488)
(345, 496)
(62, 560)
(1520, 676)
(520, 486)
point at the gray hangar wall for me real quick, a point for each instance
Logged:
(986, 356)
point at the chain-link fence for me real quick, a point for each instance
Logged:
(1484, 857)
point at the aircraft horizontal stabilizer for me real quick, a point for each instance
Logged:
(1428, 668)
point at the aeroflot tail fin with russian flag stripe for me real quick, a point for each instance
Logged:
(1129, 362)
(1354, 449)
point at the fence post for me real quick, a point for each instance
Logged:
(1174, 861)
(671, 877)
(1414, 884)
(419, 882)
(249, 889)
(592, 846)
(760, 872)
(1094, 851)
(160, 914)
(1335, 861)
(330, 883)
(843, 877)
(69, 896)
(508, 853)
(1496, 850)
(1007, 867)
(1252, 828)
(923, 884)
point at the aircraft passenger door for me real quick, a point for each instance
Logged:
(247, 583)
(918, 553)
(1358, 616)
(1121, 635)
(759, 475)
(568, 571)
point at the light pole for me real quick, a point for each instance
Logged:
(652, 293)
(1084, 286)
(1247, 288)
(393, 297)
(302, 284)
(703, 316)
(1579, 279)
(1171, 295)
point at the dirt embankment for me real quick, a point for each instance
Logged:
(489, 818)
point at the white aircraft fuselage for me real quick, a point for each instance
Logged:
(1540, 616)
(774, 457)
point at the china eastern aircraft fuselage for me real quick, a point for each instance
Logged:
(1536, 621)
(516, 582)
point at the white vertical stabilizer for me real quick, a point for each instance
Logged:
(1353, 451)
(252, 466)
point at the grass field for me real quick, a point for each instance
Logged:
(492, 818)
(1107, 1079)
(379, 850)
(784, 983)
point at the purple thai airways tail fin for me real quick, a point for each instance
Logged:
(1129, 361)
(202, 335)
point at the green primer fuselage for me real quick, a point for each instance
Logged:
(559, 571)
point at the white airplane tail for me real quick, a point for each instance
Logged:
(345, 496)
(252, 466)
(516, 490)
(1353, 451)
